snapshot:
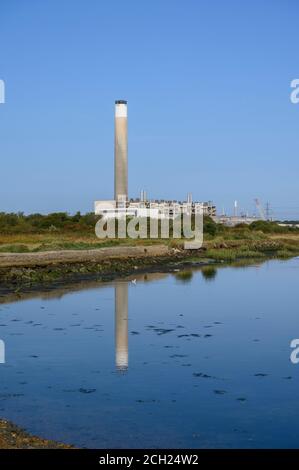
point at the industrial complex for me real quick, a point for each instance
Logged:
(122, 204)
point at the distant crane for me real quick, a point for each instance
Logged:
(260, 209)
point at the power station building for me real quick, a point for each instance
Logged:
(122, 205)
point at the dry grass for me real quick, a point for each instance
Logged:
(63, 241)
(48, 241)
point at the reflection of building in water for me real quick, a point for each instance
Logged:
(121, 326)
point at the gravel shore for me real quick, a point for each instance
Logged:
(13, 437)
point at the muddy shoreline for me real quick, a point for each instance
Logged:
(14, 437)
(24, 272)
(19, 279)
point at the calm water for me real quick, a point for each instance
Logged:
(195, 360)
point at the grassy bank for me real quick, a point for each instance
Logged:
(21, 233)
(213, 252)
(61, 232)
(270, 246)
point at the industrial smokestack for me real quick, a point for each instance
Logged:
(121, 152)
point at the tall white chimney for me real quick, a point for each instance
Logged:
(121, 152)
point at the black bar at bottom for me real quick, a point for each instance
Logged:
(122, 458)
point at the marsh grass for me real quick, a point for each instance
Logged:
(220, 243)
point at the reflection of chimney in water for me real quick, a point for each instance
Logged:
(121, 326)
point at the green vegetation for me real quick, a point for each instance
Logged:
(61, 222)
(55, 222)
(20, 233)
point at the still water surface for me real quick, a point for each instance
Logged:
(198, 360)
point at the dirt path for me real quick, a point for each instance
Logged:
(47, 258)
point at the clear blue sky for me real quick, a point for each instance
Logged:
(207, 84)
